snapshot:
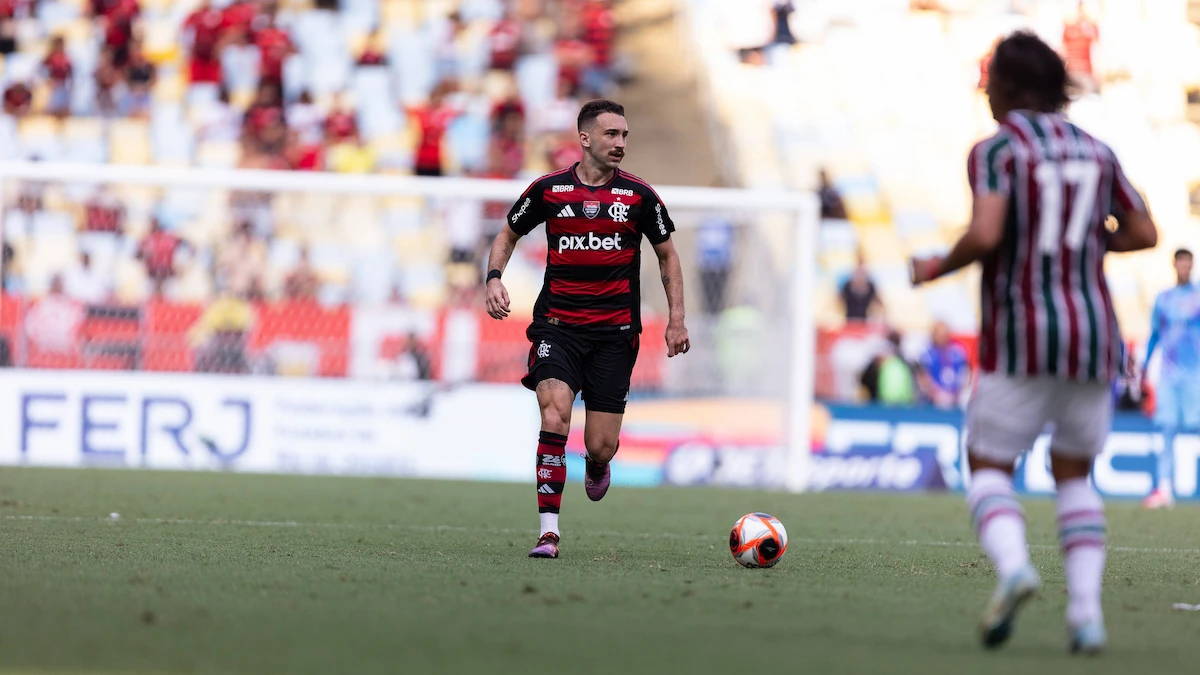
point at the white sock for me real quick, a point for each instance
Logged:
(999, 520)
(549, 522)
(1082, 531)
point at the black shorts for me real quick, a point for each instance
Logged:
(600, 368)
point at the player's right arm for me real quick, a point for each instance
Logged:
(1135, 228)
(503, 246)
(526, 214)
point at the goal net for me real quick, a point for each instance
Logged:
(310, 278)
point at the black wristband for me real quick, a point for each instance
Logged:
(493, 274)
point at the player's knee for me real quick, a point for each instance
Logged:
(601, 449)
(556, 417)
(1069, 468)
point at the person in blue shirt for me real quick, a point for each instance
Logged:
(945, 370)
(1175, 327)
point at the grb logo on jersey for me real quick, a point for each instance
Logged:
(619, 212)
(589, 242)
(563, 188)
(591, 209)
(543, 350)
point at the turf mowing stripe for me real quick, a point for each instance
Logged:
(531, 531)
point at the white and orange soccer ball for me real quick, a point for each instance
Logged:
(758, 540)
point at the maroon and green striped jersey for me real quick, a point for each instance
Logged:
(594, 237)
(1045, 305)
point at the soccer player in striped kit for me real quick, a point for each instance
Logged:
(587, 320)
(1049, 343)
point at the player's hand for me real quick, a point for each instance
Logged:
(496, 299)
(677, 339)
(921, 270)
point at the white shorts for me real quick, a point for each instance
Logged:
(1007, 414)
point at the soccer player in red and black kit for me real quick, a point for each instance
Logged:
(586, 322)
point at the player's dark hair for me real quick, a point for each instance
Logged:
(1182, 253)
(1028, 74)
(593, 109)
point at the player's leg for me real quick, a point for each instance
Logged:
(1004, 418)
(606, 379)
(1169, 409)
(553, 375)
(1082, 423)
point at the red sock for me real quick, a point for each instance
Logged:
(551, 471)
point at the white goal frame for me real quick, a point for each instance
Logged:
(804, 206)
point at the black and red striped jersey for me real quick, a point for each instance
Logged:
(594, 237)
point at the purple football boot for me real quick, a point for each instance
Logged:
(596, 478)
(547, 546)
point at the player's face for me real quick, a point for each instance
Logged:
(1183, 268)
(605, 141)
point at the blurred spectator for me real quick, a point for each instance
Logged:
(412, 362)
(715, 241)
(8, 27)
(7, 274)
(373, 53)
(573, 54)
(219, 122)
(304, 156)
(302, 282)
(219, 336)
(858, 295)
(118, 18)
(205, 25)
(18, 98)
(599, 33)
(83, 282)
(352, 155)
(448, 50)
(236, 21)
(508, 138)
(157, 252)
(944, 369)
(104, 212)
(264, 126)
(831, 201)
(240, 261)
(108, 80)
(783, 10)
(432, 120)
(888, 379)
(139, 79)
(504, 41)
(1078, 37)
(60, 76)
(340, 124)
(274, 47)
(559, 115)
(564, 150)
(304, 118)
(52, 323)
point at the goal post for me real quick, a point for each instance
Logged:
(331, 207)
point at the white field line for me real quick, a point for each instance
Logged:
(530, 531)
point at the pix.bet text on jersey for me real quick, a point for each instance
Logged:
(1045, 304)
(594, 237)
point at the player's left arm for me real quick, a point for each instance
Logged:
(672, 278)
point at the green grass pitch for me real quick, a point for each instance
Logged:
(220, 573)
